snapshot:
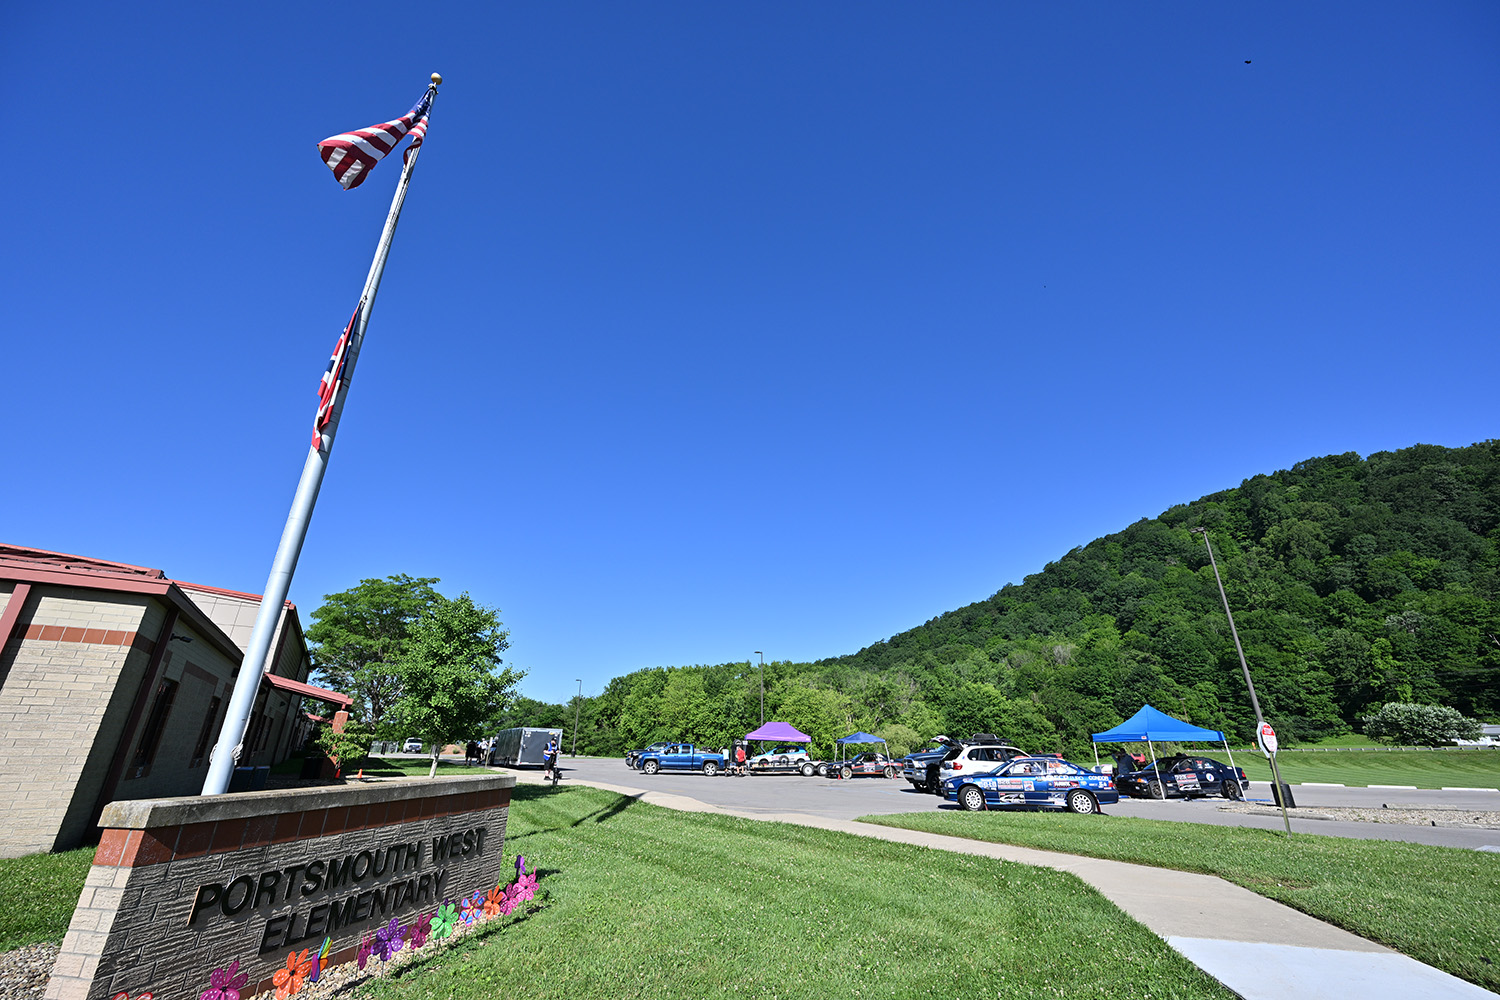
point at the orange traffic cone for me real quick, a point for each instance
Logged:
(360, 776)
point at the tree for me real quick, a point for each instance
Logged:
(360, 637)
(345, 746)
(453, 683)
(1419, 725)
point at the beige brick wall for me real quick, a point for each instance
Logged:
(172, 771)
(62, 709)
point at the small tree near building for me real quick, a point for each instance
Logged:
(453, 683)
(1419, 725)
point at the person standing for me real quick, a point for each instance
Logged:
(550, 770)
(739, 759)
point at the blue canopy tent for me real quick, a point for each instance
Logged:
(1151, 726)
(859, 738)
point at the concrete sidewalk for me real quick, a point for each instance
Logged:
(1258, 948)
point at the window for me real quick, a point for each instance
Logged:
(156, 725)
(206, 733)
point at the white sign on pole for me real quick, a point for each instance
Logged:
(1267, 739)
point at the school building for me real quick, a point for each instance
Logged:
(114, 680)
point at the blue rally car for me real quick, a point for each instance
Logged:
(1033, 783)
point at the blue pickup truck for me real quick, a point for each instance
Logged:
(681, 757)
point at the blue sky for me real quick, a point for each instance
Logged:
(721, 327)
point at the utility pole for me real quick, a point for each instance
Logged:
(1254, 701)
(762, 686)
(577, 708)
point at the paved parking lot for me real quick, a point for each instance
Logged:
(831, 799)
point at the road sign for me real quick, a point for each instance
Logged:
(1267, 738)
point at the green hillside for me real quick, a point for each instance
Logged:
(1354, 581)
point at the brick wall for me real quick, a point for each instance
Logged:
(180, 887)
(66, 691)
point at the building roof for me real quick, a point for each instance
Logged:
(28, 565)
(308, 690)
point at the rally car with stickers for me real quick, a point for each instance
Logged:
(1032, 783)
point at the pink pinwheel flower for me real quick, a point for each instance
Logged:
(421, 930)
(365, 951)
(225, 984)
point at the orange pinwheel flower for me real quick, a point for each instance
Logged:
(289, 980)
(492, 902)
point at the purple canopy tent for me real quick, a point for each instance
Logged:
(780, 732)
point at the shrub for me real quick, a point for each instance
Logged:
(1419, 725)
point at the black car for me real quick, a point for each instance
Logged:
(1184, 776)
(633, 756)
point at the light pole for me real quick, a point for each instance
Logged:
(1254, 701)
(577, 707)
(762, 686)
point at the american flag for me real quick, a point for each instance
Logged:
(351, 155)
(333, 379)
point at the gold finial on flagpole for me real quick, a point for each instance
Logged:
(437, 78)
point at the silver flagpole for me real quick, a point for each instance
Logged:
(227, 751)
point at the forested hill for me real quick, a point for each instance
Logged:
(1354, 582)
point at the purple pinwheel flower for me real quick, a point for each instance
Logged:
(225, 984)
(389, 939)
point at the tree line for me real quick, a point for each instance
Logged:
(1355, 583)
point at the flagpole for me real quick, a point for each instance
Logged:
(226, 752)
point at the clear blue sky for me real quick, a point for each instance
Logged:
(712, 328)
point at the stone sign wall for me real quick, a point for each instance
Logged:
(183, 886)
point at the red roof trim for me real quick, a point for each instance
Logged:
(44, 559)
(226, 593)
(307, 690)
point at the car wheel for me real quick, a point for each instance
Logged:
(919, 786)
(1157, 789)
(846, 772)
(710, 768)
(650, 767)
(971, 798)
(822, 770)
(1082, 803)
(1232, 790)
(808, 770)
(890, 772)
(782, 761)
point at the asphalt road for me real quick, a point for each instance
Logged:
(865, 796)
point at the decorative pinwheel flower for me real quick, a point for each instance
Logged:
(389, 939)
(520, 865)
(492, 901)
(508, 900)
(444, 920)
(225, 984)
(421, 930)
(525, 887)
(289, 980)
(365, 951)
(471, 908)
(319, 962)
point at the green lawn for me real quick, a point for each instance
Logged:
(1440, 905)
(653, 903)
(1423, 768)
(40, 891)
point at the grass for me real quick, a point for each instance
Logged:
(1440, 905)
(40, 891)
(1422, 768)
(652, 903)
